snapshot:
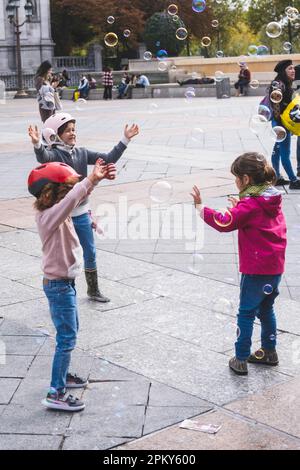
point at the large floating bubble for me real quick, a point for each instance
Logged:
(206, 41)
(215, 23)
(276, 96)
(287, 46)
(147, 55)
(162, 66)
(199, 5)
(254, 84)
(126, 33)
(161, 192)
(111, 20)
(252, 49)
(265, 111)
(181, 34)
(219, 54)
(267, 289)
(172, 9)
(274, 29)
(111, 39)
(258, 123)
(162, 54)
(81, 104)
(262, 50)
(278, 134)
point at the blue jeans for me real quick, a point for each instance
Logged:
(282, 151)
(83, 227)
(298, 153)
(61, 295)
(255, 303)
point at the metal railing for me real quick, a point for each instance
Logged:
(73, 62)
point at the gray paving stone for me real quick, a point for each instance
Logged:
(22, 241)
(12, 293)
(33, 313)
(161, 395)
(29, 442)
(15, 366)
(187, 367)
(12, 328)
(114, 394)
(23, 345)
(42, 365)
(87, 441)
(8, 386)
(104, 370)
(11, 262)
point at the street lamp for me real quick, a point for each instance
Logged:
(12, 10)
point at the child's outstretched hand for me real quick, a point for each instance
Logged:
(233, 200)
(196, 196)
(132, 131)
(102, 171)
(34, 134)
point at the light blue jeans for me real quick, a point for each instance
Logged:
(282, 151)
(61, 295)
(83, 228)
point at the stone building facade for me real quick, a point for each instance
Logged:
(36, 41)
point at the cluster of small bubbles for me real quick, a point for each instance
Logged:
(162, 66)
(111, 39)
(172, 9)
(273, 29)
(278, 133)
(258, 123)
(153, 107)
(110, 20)
(147, 55)
(254, 84)
(81, 104)
(276, 96)
(162, 54)
(181, 34)
(126, 33)
(196, 262)
(190, 93)
(223, 305)
(265, 111)
(219, 76)
(215, 23)
(161, 192)
(252, 49)
(262, 50)
(287, 46)
(268, 289)
(206, 41)
(219, 54)
(198, 6)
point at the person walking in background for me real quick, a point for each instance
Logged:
(108, 82)
(244, 79)
(282, 85)
(46, 90)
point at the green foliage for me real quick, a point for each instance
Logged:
(160, 33)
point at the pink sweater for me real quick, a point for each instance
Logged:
(62, 253)
(261, 232)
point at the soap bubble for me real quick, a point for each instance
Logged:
(254, 84)
(172, 9)
(273, 29)
(287, 46)
(265, 111)
(199, 6)
(267, 289)
(190, 93)
(175, 18)
(162, 54)
(238, 332)
(258, 123)
(219, 54)
(292, 13)
(205, 41)
(162, 66)
(110, 20)
(272, 337)
(225, 213)
(262, 50)
(153, 107)
(242, 60)
(219, 76)
(111, 39)
(276, 96)
(252, 49)
(223, 305)
(259, 354)
(195, 264)
(147, 55)
(81, 104)
(278, 133)
(173, 68)
(161, 192)
(275, 85)
(215, 23)
(126, 33)
(197, 134)
(157, 44)
(181, 34)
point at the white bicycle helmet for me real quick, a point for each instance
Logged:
(52, 125)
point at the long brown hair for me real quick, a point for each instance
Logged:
(52, 193)
(254, 165)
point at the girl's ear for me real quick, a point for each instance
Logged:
(246, 180)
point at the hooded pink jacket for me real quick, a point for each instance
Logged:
(261, 232)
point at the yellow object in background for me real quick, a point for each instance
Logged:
(290, 117)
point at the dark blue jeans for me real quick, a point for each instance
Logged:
(282, 151)
(254, 302)
(61, 295)
(83, 227)
(298, 154)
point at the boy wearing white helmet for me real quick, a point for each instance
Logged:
(60, 135)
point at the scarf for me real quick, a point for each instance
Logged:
(254, 190)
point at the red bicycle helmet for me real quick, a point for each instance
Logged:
(53, 172)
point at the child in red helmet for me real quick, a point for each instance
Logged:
(58, 192)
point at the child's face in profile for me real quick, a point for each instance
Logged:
(69, 135)
(242, 183)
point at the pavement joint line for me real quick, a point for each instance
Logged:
(146, 408)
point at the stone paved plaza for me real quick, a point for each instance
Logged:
(158, 352)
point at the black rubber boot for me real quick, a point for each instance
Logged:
(265, 357)
(93, 288)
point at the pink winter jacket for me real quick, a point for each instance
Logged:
(261, 232)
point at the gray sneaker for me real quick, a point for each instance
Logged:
(63, 402)
(265, 357)
(239, 367)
